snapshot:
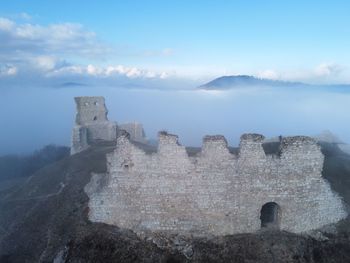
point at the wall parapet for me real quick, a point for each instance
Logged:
(250, 146)
(214, 191)
(253, 137)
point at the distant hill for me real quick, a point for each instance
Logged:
(15, 166)
(228, 82)
(72, 84)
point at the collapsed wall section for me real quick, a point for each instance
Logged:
(136, 131)
(213, 192)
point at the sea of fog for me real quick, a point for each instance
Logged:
(33, 117)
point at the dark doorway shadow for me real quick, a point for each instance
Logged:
(270, 215)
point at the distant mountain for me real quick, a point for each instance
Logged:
(228, 82)
(72, 84)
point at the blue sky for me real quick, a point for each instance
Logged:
(295, 40)
(148, 57)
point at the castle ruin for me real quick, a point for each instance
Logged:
(213, 190)
(135, 130)
(92, 124)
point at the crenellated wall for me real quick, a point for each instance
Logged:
(214, 191)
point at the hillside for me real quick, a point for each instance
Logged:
(45, 218)
(229, 82)
(15, 166)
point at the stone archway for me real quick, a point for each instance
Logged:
(270, 215)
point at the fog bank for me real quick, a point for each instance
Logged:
(32, 117)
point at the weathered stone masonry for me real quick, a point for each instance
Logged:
(214, 191)
(91, 123)
(135, 131)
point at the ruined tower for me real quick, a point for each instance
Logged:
(91, 123)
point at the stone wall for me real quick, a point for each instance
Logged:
(91, 123)
(215, 191)
(135, 130)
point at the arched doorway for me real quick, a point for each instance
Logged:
(270, 215)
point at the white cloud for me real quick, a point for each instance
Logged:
(92, 70)
(42, 50)
(67, 70)
(105, 72)
(324, 73)
(132, 72)
(66, 39)
(12, 71)
(164, 75)
(8, 70)
(45, 62)
(6, 25)
(327, 69)
(268, 74)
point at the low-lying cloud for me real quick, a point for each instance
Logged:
(109, 71)
(326, 72)
(42, 116)
(328, 69)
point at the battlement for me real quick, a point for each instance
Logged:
(214, 140)
(299, 144)
(296, 152)
(252, 137)
(215, 146)
(250, 146)
(165, 138)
